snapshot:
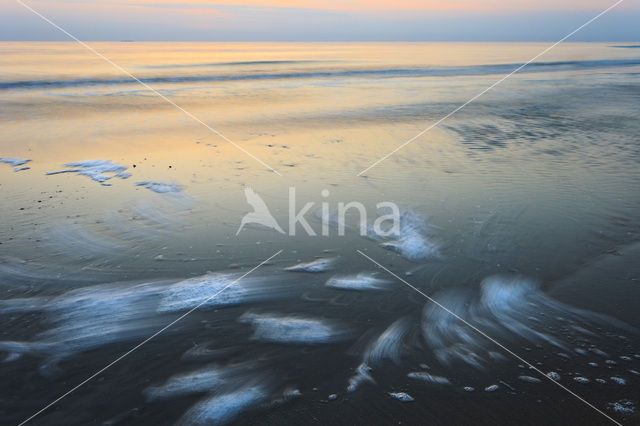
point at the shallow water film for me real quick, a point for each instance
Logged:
(202, 231)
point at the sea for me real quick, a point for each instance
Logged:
(172, 249)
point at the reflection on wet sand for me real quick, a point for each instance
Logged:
(519, 214)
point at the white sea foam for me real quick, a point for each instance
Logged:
(363, 375)
(623, 407)
(361, 281)
(204, 380)
(318, 265)
(293, 329)
(415, 241)
(221, 289)
(402, 396)
(446, 335)
(553, 375)
(506, 306)
(413, 247)
(618, 380)
(287, 395)
(388, 345)
(191, 292)
(530, 379)
(599, 352)
(429, 378)
(161, 187)
(96, 170)
(221, 409)
(13, 161)
(90, 317)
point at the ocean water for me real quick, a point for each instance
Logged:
(520, 214)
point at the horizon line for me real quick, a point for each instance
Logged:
(314, 41)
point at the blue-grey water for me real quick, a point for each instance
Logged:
(519, 214)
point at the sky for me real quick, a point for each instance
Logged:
(316, 20)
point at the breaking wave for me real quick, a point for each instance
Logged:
(488, 69)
